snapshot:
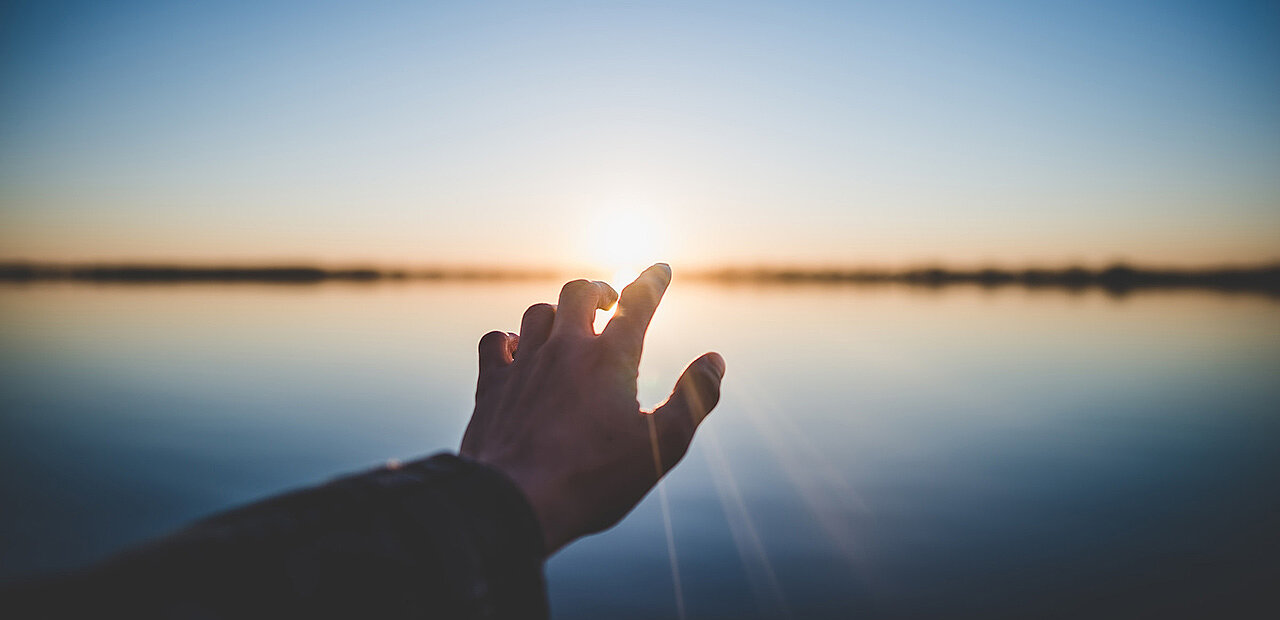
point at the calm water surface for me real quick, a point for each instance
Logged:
(880, 451)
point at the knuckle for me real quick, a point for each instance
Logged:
(604, 288)
(623, 358)
(577, 287)
(539, 309)
(553, 349)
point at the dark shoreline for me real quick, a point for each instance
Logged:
(275, 274)
(1116, 278)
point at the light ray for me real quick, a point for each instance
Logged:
(746, 537)
(831, 510)
(666, 520)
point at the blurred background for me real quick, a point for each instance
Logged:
(885, 447)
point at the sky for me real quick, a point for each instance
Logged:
(735, 133)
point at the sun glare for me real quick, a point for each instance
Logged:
(622, 242)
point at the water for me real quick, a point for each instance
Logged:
(879, 450)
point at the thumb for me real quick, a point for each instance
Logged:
(695, 395)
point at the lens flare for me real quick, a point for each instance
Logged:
(622, 240)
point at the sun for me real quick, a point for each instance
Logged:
(621, 242)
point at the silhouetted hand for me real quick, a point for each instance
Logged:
(556, 407)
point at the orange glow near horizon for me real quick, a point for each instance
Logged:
(594, 139)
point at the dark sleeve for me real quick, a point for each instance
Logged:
(438, 538)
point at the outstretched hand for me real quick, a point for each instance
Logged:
(556, 407)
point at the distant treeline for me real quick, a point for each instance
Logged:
(24, 272)
(1117, 278)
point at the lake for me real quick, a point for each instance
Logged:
(879, 451)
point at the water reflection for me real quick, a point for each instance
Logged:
(882, 451)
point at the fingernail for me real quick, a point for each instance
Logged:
(664, 267)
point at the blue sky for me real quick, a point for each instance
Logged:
(816, 133)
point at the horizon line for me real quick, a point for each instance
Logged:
(1117, 277)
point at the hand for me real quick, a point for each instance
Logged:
(556, 407)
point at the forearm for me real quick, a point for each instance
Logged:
(441, 537)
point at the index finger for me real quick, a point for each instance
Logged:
(636, 305)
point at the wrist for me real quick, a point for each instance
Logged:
(547, 507)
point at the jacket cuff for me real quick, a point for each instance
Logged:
(482, 526)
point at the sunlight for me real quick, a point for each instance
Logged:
(622, 240)
(602, 318)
